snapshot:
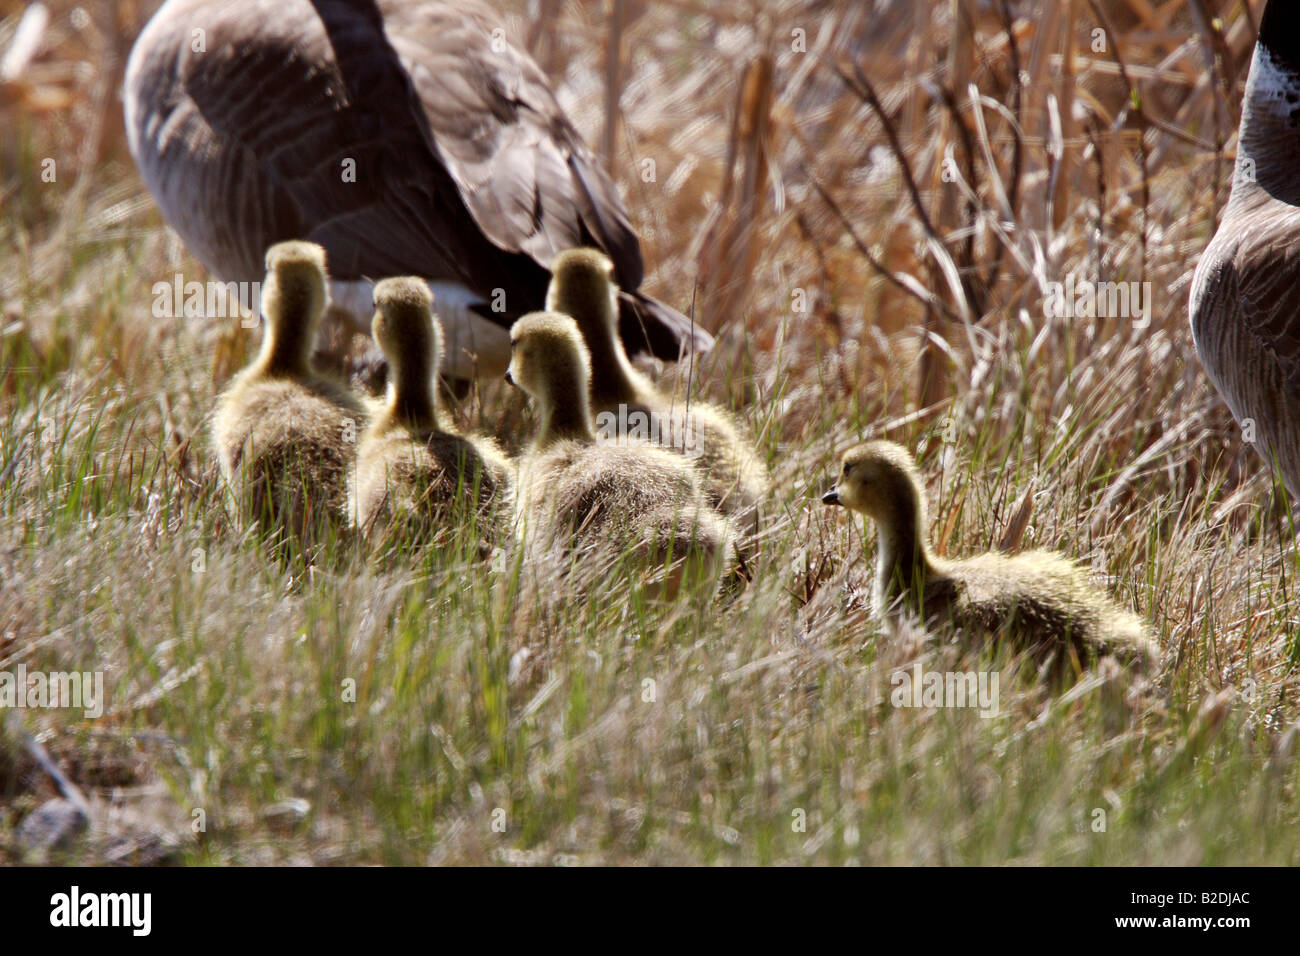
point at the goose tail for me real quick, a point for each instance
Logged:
(648, 325)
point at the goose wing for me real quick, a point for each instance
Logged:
(1246, 306)
(529, 180)
(1245, 312)
(1266, 272)
(402, 135)
(272, 119)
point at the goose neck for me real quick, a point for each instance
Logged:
(286, 349)
(1268, 151)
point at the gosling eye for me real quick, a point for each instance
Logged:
(513, 343)
(845, 472)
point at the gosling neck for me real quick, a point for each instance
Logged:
(412, 395)
(286, 346)
(568, 419)
(613, 379)
(903, 560)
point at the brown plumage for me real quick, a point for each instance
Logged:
(284, 434)
(1245, 297)
(574, 490)
(404, 136)
(414, 470)
(623, 399)
(1041, 601)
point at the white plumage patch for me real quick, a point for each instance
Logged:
(1271, 84)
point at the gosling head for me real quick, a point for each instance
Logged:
(404, 325)
(550, 363)
(582, 285)
(878, 479)
(295, 291)
(547, 356)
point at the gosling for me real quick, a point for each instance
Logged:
(1037, 598)
(285, 435)
(413, 467)
(573, 490)
(624, 400)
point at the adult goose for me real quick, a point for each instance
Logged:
(407, 137)
(1245, 298)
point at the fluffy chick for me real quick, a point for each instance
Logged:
(1039, 599)
(574, 490)
(582, 286)
(285, 435)
(414, 470)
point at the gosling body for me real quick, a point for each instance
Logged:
(574, 491)
(284, 434)
(1039, 599)
(625, 401)
(414, 470)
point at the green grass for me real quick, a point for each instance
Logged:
(443, 708)
(409, 707)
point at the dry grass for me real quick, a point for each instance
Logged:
(488, 695)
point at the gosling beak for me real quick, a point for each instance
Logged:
(831, 497)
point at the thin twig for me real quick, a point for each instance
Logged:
(862, 88)
(977, 296)
(1017, 152)
(914, 289)
(69, 789)
(1135, 102)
